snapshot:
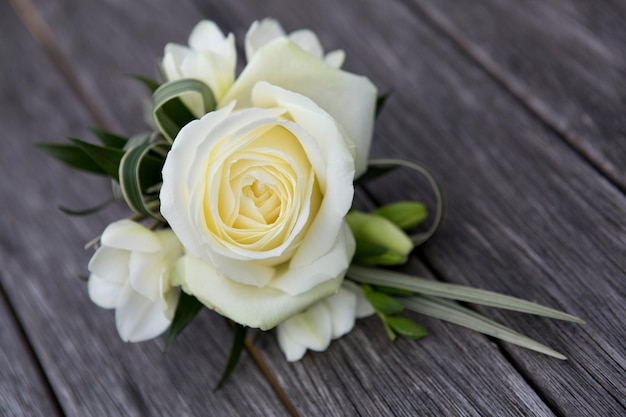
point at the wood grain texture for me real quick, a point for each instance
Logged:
(24, 391)
(527, 216)
(92, 372)
(564, 59)
(328, 384)
(519, 201)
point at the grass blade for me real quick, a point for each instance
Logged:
(448, 311)
(452, 291)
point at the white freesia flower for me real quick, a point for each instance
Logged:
(350, 99)
(258, 199)
(130, 272)
(263, 32)
(211, 57)
(326, 320)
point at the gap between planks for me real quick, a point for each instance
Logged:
(526, 100)
(38, 28)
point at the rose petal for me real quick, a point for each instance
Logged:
(348, 98)
(333, 265)
(261, 308)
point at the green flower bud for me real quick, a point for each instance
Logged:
(404, 214)
(378, 240)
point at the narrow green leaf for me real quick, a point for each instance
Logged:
(383, 302)
(107, 158)
(239, 337)
(72, 156)
(130, 180)
(418, 238)
(393, 291)
(171, 119)
(448, 311)
(87, 211)
(452, 291)
(390, 333)
(404, 214)
(406, 327)
(109, 139)
(186, 310)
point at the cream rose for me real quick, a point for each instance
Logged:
(258, 198)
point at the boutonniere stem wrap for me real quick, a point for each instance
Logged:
(242, 203)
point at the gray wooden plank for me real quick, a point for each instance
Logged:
(527, 216)
(564, 59)
(92, 372)
(24, 390)
(339, 24)
(330, 383)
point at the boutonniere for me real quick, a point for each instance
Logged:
(242, 203)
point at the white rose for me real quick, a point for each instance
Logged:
(263, 32)
(211, 57)
(258, 198)
(350, 99)
(326, 320)
(130, 272)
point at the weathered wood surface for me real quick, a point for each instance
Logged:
(527, 217)
(563, 59)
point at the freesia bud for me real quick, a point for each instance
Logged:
(378, 240)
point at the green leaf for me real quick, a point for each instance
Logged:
(393, 291)
(417, 238)
(186, 310)
(382, 302)
(72, 156)
(406, 327)
(130, 180)
(404, 214)
(109, 139)
(448, 311)
(171, 119)
(452, 291)
(239, 337)
(366, 249)
(108, 159)
(87, 211)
